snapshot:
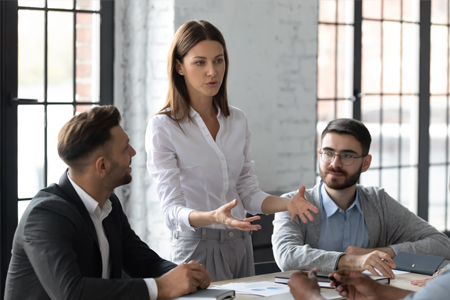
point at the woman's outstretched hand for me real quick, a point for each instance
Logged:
(223, 215)
(299, 206)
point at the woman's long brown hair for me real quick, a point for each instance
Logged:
(177, 104)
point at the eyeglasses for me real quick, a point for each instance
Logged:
(346, 158)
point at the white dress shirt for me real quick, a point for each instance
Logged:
(194, 172)
(97, 215)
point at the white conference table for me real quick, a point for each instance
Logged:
(401, 280)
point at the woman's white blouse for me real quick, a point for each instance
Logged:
(194, 172)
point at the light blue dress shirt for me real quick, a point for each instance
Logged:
(340, 228)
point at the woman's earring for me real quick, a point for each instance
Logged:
(181, 73)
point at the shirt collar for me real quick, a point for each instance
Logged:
(193, 113)
(90, 203)
(331, 207)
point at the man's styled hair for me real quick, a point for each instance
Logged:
(85, 132)
(352, 127)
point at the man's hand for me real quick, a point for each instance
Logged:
(184, 279)
(355, 285)
(357, 250)
(299, 206)
(362, 251)
(374, 260)
(223, 215)
(304, 288)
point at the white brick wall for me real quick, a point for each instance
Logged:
(273, 71)
(272, 46)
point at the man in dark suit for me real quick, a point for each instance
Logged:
(74, 240)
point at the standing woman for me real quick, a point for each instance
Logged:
(198, 154)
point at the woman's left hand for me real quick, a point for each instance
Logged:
(299, 206)
(223, 215)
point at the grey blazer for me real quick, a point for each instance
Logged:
(56, 255)
(388, 223)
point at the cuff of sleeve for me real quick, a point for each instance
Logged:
(152, 288)
(395, 250)
(183, 216)
(256, 203)
(337, 260)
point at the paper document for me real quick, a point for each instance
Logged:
(261, 288)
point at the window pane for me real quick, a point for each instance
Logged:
(437, 194)
(411, 9)
(60, 57)
(83, 107)
(326, 61)
(21, 206)
(31, 54)
(370, 115)
(389, 181)
(30, 155)
(370, 178)
(438, 61)
(88, 4)
(57, 116)
(408, 130)
(344, 109)
(31, 3)
(87, 58)
(372, 9)
(391, 131)
(391, 57)
(345, 62)
(407, 191)
(438, 129)
(326, 111)
(410, 56)
(327, 11)
(439, 10)
(60, 4)
(391, 9)
(346, 12)
(371, 56)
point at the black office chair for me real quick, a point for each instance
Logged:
(266, 267)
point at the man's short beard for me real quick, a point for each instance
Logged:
(117, 178)
(349, 181)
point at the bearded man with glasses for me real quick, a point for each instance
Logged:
(359, 228)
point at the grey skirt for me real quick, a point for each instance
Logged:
(226, 254)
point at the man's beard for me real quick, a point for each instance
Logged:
(349, 181)
(119, 175)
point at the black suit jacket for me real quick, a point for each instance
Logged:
(56, 255)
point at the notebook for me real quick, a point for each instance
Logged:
(326, 284)
(208, 294)
(418, 263)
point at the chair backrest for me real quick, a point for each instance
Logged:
(266, 267)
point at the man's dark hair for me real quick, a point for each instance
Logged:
(85, 132)
(351, 127)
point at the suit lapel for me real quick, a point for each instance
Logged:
(111, 224)
(72, 196)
